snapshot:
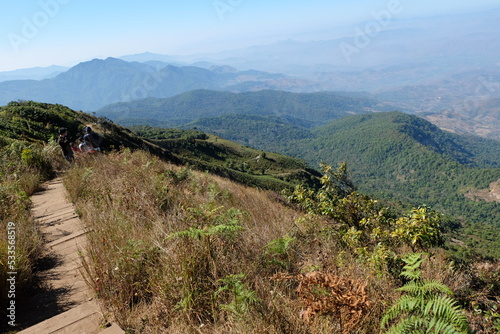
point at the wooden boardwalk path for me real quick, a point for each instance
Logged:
(66, 305)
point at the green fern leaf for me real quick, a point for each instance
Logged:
(413, 262)
(426, 307)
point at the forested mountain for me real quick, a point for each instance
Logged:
(274, 132)
(399, 157)
(306, 109)
(406, 159)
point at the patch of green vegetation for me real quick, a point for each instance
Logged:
(306, 108)
(410, 162)
(226, 158)
(399, 158)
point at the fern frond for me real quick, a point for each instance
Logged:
(398, 329)
(413, 262)
(426, 307)
(445, 309)
(408, 325)
(441, 326)
(412, 288)
(405, 305)
(425, 288)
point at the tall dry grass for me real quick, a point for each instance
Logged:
(173, 250)
(23, 168)
(165, 243)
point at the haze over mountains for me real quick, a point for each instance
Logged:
(37, 73)
(444, 68)
(91, 85)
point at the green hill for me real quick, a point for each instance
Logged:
(29, 155)
(407, 160)
(405, 157)
(34, 122)
(310, 108)
(393, 156)
(37, 123)
(235, 161)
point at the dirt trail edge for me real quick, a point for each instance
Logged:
(66, 305)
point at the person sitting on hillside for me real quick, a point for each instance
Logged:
(65, 144)
(92, 138)
(85, 147)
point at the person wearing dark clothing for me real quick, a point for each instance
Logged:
(92, 138)
(64, 142)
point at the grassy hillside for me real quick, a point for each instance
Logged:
(235, 161)
(173, 249)
(39, 123)
(179, 251)
(30, 155)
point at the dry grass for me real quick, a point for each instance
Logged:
(23, 167)
(178, 251)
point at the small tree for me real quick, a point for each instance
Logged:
(420, 229)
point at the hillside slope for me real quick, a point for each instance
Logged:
(172, 249)
(394, 156)
(226, 158)
(182, 252)
(39, 123)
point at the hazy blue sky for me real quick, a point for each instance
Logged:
(65, 32)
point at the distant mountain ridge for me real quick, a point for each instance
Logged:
(93, 84)
(36, 73)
